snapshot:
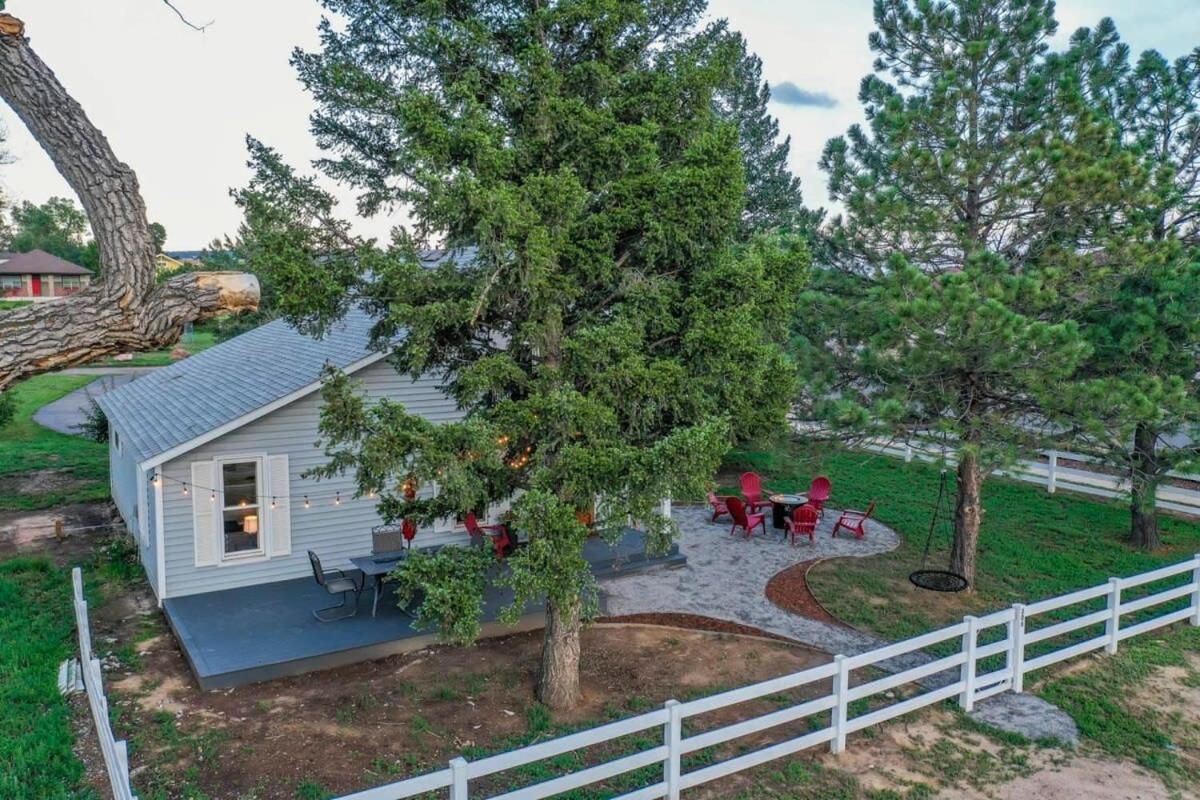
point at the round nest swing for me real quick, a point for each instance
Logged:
(937, 580)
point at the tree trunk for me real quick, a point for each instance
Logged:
(558, 687)
(968, 515)
(125, 309)
(1143, 482)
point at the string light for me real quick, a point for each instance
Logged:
(157, 479)
(408, 486)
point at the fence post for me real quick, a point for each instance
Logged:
(121, 751)
(969, 643)
(1016, 656)
(841, 688)
(1052, 472)
(1113, 626)
(1196, 593)
(673, 738)
(458, 789)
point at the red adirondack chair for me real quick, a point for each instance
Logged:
(752, 490)
(855, 521)
(819, 492)
(803, 522)
(501, 540)
(718, 506)
(741, 519)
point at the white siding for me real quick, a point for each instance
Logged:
(123, 485)
(334, 532)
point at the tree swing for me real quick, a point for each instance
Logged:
(937, 580)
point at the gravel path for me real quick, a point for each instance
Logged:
(726, 578)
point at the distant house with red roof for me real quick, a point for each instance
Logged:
(39, 276)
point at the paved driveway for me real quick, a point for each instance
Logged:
(66, 413)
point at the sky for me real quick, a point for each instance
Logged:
(177, 105)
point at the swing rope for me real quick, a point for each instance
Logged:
(936, 580)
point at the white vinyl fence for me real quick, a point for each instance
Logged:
(985, 656)
(1053, 475)
(116, 756)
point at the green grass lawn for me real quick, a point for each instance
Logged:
(1033, 545)
(201, 339)
(26, 447)
(8, 305)
(37, 632)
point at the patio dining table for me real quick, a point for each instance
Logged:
(375, 567)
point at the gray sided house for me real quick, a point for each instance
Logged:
(207, 458)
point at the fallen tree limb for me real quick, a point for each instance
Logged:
(125, 309)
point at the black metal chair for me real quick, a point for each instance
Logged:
(334, 581)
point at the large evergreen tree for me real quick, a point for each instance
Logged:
(1139, 402)
(980, 172)
(773, 200)
(605, 335)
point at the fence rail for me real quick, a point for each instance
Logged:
(1037, 626)
(116, 754)
(1052, 475)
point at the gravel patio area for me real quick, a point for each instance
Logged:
(726, 578)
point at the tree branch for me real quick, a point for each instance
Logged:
(185, 20)
(124, 309)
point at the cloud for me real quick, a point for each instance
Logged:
(789, 94)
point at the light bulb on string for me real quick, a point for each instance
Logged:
(337, 500)
(306, 503)
(185, 490)
(272, 502)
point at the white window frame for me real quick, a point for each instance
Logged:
(263, 551)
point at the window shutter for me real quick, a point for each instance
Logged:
(280, 520)
(204, 513)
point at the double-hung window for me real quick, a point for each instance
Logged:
(240, 494)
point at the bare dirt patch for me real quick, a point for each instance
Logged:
(40, 481)
(32, 533)
(368, 724)
(1084, 777)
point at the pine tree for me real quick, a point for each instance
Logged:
(590, 332)
(1139, 401)
(966, 198)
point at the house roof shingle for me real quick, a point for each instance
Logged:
(193, 397)
(178, 403)
(37, 262)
